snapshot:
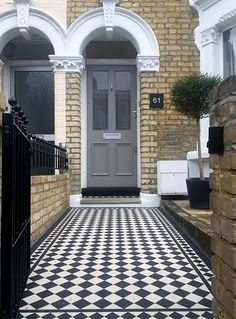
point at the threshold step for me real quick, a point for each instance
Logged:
(110, 200)
(111, 191)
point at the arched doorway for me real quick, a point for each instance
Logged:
(131, 42)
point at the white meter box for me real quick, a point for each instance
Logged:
(171, 177)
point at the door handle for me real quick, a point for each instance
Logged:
(134, 114)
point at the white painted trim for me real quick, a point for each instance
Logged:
(30, 65)
(75, 200)
(147, 200)
(138, 133)
(147, 63)
(84, 130)
(209, 36)
(69, 64)
(110, 62)
(109, 7)
(227, 20)
(150, 200)
(84, 124)
(22, 7)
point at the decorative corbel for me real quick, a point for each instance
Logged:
(62, 64)
(209, 36)
(148, 63)
(22, 7)
(109, 15)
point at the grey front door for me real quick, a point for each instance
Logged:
(112, 126)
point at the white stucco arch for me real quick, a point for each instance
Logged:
(126, 23)
(39, 21)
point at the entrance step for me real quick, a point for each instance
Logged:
(110, 200)
(111, 191)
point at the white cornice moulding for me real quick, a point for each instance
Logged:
(227, 19)
(62, 64)
(22, 7)
(209, 36)
(147, 63)
(203, 4)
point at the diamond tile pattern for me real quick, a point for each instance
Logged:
(116, 263)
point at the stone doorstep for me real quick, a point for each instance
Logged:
(197, 230)
(110, 200)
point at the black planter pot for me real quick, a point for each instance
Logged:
(198, 193)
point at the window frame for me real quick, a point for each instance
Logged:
(30, 66)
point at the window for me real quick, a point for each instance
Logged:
(123, 100)
(34, 90)
(100, 100)
(229, 40)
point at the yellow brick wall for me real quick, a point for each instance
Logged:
(73, 130)
(49, 198)
(6, 5)
(223, 203)
(164, 134)
(56, 8)
(77, 8)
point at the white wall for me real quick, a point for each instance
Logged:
(215, 16)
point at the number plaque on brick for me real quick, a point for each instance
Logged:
(156, 101)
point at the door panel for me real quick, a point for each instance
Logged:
(100, 159)
(112, 126)
(124, 159)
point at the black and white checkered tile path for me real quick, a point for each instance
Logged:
(116, 263)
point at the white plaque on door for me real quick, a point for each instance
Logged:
(111, 136)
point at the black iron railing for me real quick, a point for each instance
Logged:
(15, 223)
(22, 156)
(46, 157)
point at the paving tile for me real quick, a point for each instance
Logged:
(116, 263)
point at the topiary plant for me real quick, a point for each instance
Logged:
(190, 96)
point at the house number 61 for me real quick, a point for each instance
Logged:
(156, 100)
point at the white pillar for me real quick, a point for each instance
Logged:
(1, 76)
(60, 108)
(209, 64)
